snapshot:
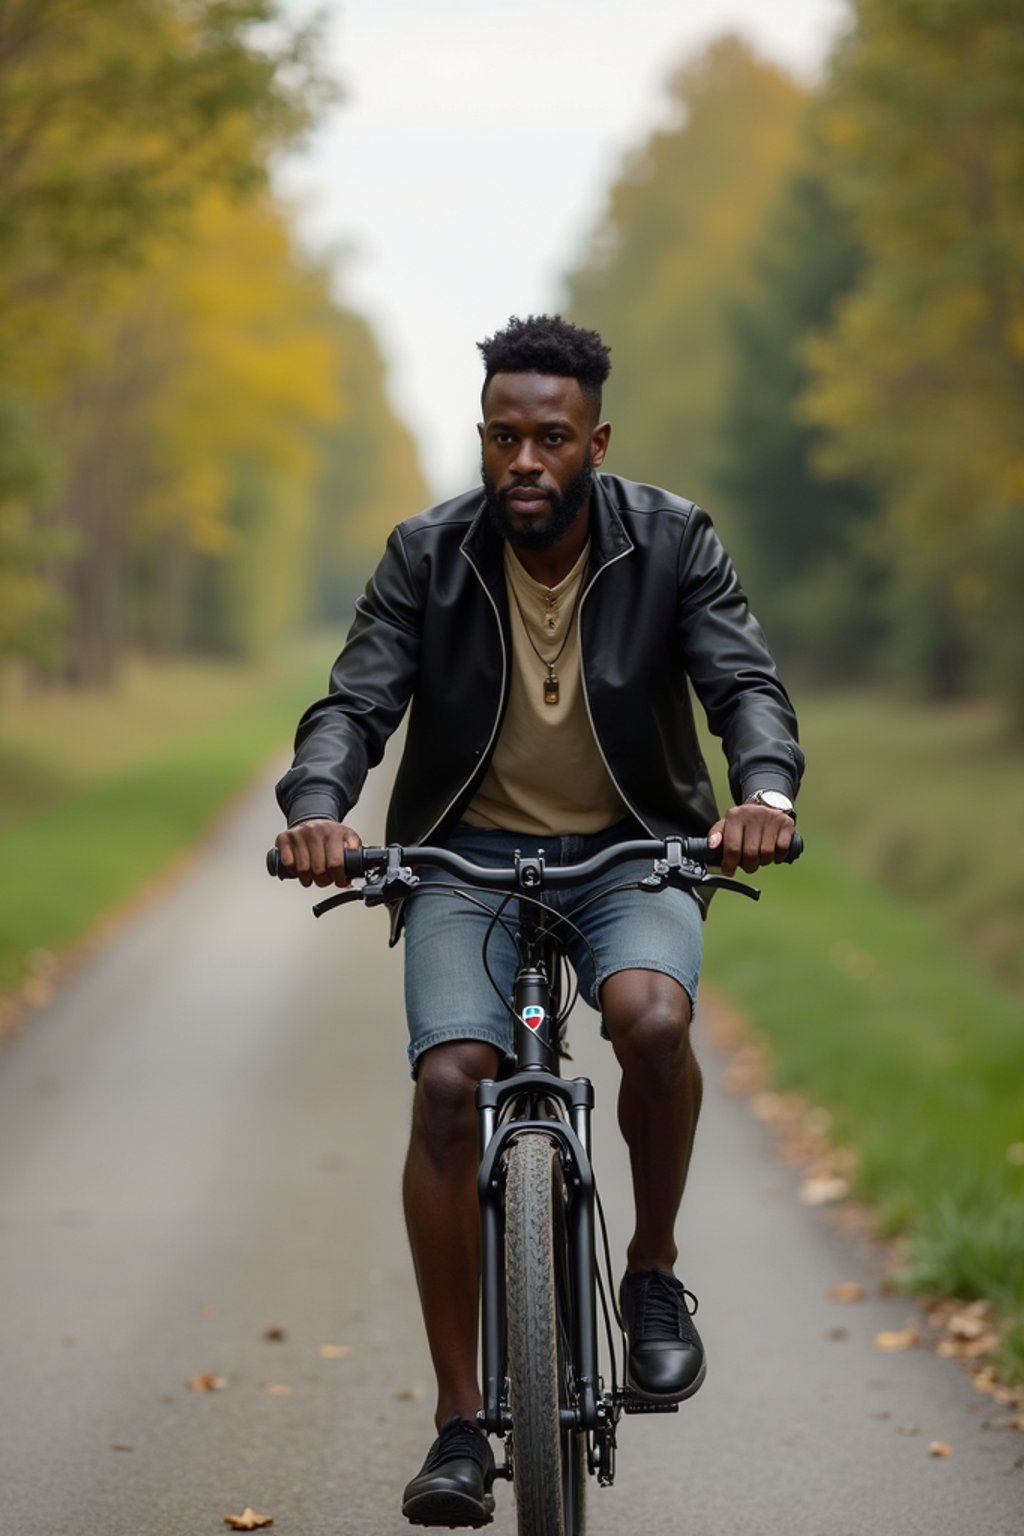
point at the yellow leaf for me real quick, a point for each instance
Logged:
(906, 1338)
(940, 1448)
(248, 1520)
(847, 1290)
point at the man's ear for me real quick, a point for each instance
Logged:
(599, 440)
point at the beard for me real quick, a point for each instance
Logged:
(565, 507)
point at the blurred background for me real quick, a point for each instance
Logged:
(246, 250)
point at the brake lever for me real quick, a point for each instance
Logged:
(389, 887)
(688, 875)
(336, 901)
(723, 883)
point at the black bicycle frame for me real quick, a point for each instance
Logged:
(531, 1089)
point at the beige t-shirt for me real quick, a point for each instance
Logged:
(547, 776)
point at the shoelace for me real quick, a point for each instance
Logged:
(457, 1438)
(664, 1308)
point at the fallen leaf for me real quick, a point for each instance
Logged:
(908, 1429)
(208, 1382)
(278, 1389)
(940, 1448)
(835, 1335)
(823, 1189)
(969, 1324)
(248, 1520)
(335, 1351)
(274, 1335)
(906, 1338)
(847, 1290)
(408, 1394)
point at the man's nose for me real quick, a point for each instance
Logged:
(527, 460)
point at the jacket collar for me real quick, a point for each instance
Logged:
(482, 545)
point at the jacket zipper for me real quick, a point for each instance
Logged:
(586, 693)
(497, 719)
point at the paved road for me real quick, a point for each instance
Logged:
(201, 1140)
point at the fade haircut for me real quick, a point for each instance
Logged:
(549, 344)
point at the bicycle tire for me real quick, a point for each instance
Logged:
(549, 1463)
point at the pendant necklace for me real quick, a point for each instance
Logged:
(551, 681)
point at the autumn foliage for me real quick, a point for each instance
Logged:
(176, 380)
(817, 310)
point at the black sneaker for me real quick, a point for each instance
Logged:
(665, 1361)
(454, 1485)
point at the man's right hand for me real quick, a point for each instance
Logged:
(315, 851)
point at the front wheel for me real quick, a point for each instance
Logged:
(548, 1458)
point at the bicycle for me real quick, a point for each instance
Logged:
(541, 1284)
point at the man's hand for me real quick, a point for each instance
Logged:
(750, 836)
(315, 851)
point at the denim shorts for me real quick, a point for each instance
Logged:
(447, 993)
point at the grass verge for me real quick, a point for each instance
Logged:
(102, 791)
(916, 1051)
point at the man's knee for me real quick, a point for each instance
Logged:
(444, 1109)
(647, 1015)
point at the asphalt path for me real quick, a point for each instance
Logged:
(201, 1141)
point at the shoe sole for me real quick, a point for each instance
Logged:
(448, 1508)
(668, 1397)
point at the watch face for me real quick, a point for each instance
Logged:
(776, 800)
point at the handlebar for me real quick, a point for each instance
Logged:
(527, 873)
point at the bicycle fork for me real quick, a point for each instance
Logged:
(593, 1411)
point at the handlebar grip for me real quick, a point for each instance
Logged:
(353, 864)
(796, 848)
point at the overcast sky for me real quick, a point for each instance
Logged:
(472, 155)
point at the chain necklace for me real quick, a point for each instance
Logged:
(551, 681)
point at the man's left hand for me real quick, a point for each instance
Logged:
(751, 836)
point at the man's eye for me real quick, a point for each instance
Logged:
(556, 438)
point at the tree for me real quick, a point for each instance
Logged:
(31, 609)
(919, 382)
(806, 540)
(120, 120)
(370, 475)
(673, 252)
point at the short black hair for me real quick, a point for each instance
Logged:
(548, 344)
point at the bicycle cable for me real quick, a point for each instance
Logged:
(610, 1294)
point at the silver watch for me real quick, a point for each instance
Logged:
(774, 799)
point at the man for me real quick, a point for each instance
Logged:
(544, 632)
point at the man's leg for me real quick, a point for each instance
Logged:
(647, 1016)
(453, 1487)
(442, 1215)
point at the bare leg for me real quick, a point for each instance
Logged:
(647, 1015)
(443, 1218)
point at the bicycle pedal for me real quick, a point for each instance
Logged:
(631, 1404)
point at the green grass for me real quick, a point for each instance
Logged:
(929, 801)
(101, 792)
(883, 1003)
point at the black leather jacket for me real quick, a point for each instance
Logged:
(661, 606)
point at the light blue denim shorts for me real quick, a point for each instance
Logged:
(447, 993)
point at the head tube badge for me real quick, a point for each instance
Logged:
(533, 1017)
